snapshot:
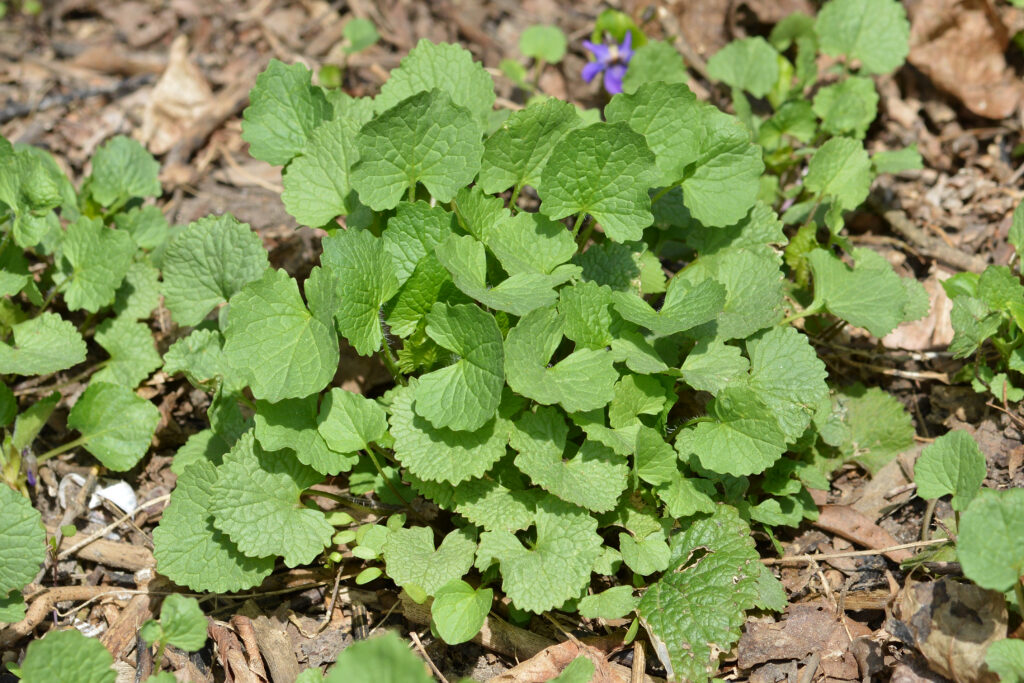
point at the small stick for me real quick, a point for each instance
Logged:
(423, 651)
(853, 553)
(110, 527)
(636, 673)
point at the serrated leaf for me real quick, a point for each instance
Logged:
(516, 154)
(952, 464)
(988, 542)
(848, 106)
(122, 169)
(840, 168)
(459, 611)
(426, 138)
(208, 263)
(147, 226)
(100, 258)
(613, 265)
(637, 395)
(593, 478)
(603, 170)
(566, 548)
(256, 503)
(897, 160)
(12, 607)
(874, 32)
(116, 423)
(199, 356)
(543, 43)
(695, 611)
(139, 292)
(1006, 659)
(655, 61)
(749, 64)
(66, 656)
(585, 308)
(293, 424)
(284, 110)
(489, 504)
(183, 623)
(880, 427)
(581, 381)
(793, 119)
(316, 183)
(132, 353)
(465, 395)
(686, 496)
(411, 558)
(867, 295)
(21, 528)
(655, 460)
(438, 454)
(447, 67)
(192, 552)
(44, 344)
(711, 366)
(686, 305)
(744, 436)
(384, 659)
(788, 376)
(413, 233)
(1000, 289)
(275, 344)
(973, 322)
(348, 422)
(613, 603)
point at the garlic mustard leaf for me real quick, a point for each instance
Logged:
(132, 353)
(711, 366)
(316, 183)
(384, 659)
(750, 64)
(873, 32)
(645, 554)
(413, 233)
(655, 61)
(585, 308)
(192, 552)
(426, 138)
(44, 344)
(411, 559)
(459, 611)
(146, 224)
(183, 623)
(566, 548)
(199, 356)
(439, 454)
(987, 545)
(284, 110)
(592, 478)
(275, 344)
(256, 503)
(67, 656)
(840, 168)
(449, 68)
(880, 427)
(973, 323)
(139, 292)
(515, 155)
(489, 504)
(743, 437)
(788, 376)
(429, 283)
(122, 169)
(21, 527)
(364, 278)
(614, 265)
(848, 106)
(604, 170)
(208, 263)
(869, 295)
(695, 611)
(348, 422)
(1006, 659)
(292, 424)
(1000, 289)
(12, 607)
(637, 395)
(686, 496)
(952, 464)
(583, 380)
(655, 461)
(116, 423)
(685, 306)
(100, 258)
(465, 395)
(613, 603)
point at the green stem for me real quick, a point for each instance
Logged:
(585, 236)
(387, 480)
(64, 448)
(579, 221)
(392, 365)
(49, 298)
(515, 197)
(538, 69)
(412, 192)
(159, 659)
(1019, 591)
(661, 193)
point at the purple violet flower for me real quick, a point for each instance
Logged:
(612, 60)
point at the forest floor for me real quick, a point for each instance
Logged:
(82, 71)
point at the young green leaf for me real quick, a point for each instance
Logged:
(1006, 659)
(384, 659)
(973, 322)
(44, 344)
(686, 305)
(100, 258)
(613, 603)
(988, 545)
(848, 106)
(465, 395)
(874, 32)
(316, 183)
(413, 233)
(116, 423)
(293, 424)
(459, 611)
(122, 169)
(750, 64)
(67, 656)
(952, 464)
(425, 138)
(208, 263)
(655, 61)
(348, 422)
(24, 541)
(199, 356)
(192, 552)
(841, 169)
(139, 292)
(579, 670)
(147, 226)
(880, 427)
(183, 623)
(284, 110)
(543, 42)
(604, 170)
(711, 366)
(132, 353)
(12, 607)
(274, 344)
(566, 548)
(412, 560)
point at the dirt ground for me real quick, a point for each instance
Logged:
(82, 71)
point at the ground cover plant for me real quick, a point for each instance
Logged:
(596, 322)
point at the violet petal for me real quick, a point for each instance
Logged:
(613, 78)
(591, 70)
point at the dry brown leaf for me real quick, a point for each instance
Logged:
(808, 628)
(180, 98)
(961, 45)
(855, 526)
(933, 331)
(549, 663)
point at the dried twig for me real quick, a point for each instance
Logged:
(852, 553)
(423, 651)
(927, 244)
(110, 527)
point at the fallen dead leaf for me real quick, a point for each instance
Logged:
(180, 98)
(855, 526)
(549, 663)
(952, 625)
(960, 45)
(933, 331)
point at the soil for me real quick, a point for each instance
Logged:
(81, 71)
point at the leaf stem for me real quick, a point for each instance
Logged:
(50, 297)
(585, 236)
(1019, 592)
(158, 660)
(661, 193)
(387, 480)
(63, 448)
(515, 197)
(391, 364)
(582, 216)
